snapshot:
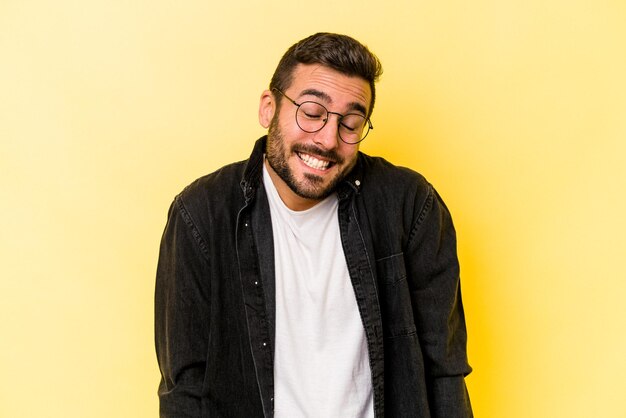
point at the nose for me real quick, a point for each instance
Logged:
(328, 136)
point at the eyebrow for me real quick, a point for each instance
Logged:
(325, 97)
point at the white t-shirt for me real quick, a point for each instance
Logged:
(321, 364)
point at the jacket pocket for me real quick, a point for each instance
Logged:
(395, 299)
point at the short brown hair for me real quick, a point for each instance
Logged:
(339, 52)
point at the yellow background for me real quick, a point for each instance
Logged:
(515, 110)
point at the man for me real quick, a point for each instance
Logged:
(311, 280)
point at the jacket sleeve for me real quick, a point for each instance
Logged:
(181, 315)
(438, 309)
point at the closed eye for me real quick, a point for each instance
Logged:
(348, 127)
(313, 115)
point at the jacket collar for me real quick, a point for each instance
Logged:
(353, 181)
(253, 170)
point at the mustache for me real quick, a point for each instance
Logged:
(312, 149)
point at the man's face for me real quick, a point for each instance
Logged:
(306, 167)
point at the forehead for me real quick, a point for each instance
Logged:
(339, 88)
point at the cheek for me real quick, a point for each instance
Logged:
(293, 136)
(285, 128)
(349, 153)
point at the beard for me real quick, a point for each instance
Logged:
(311, 186)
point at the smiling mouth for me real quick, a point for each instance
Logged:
(313, 162)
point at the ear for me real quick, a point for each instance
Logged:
(267, 107)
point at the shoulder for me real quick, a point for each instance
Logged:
(401, 201)
(215, 185)
(397, 191)
(213, 196)
(382, 176)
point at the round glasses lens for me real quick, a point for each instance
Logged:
(353, 128)
(311, 116)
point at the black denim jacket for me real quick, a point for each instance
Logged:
(214, 304)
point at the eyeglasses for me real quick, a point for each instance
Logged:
(312, 117)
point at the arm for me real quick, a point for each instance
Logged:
(181, 315)
(438, 309)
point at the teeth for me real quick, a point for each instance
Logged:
(314, 162)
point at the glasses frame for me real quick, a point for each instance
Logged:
(328, 112)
